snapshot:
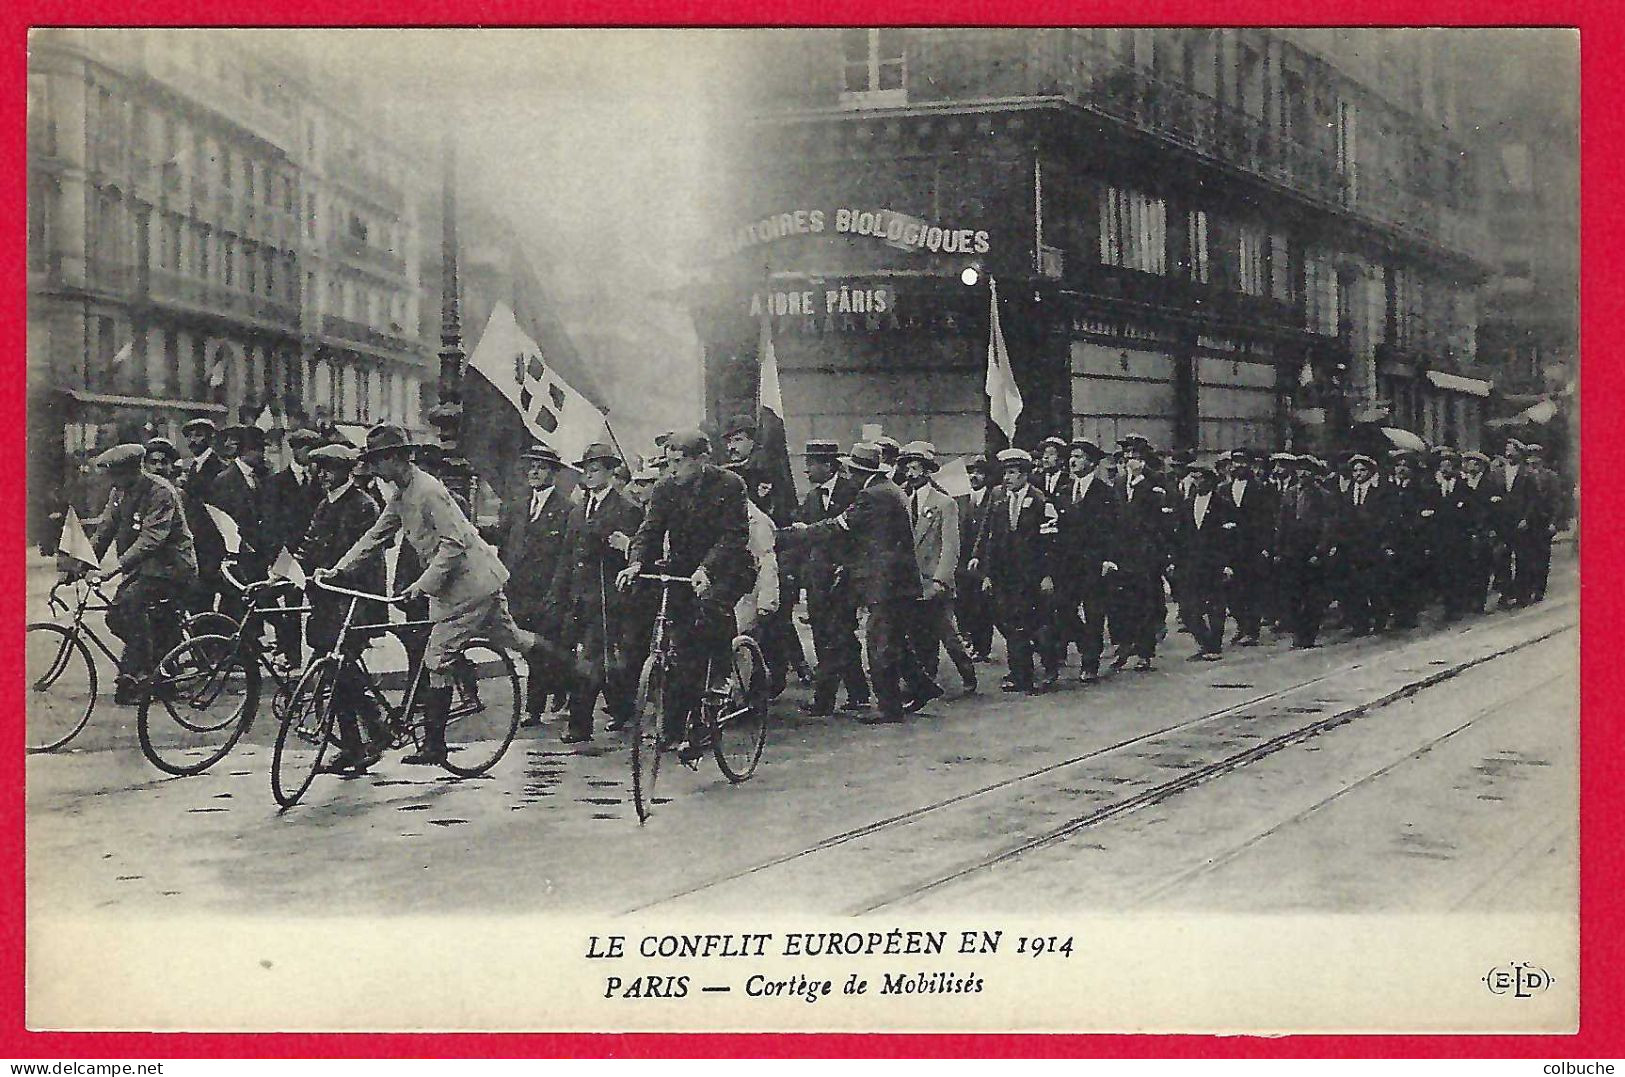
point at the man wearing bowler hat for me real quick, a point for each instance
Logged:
(821, 569)
(592, 610)
(462, 575)
(533, 544)
(145, 524)
(884, 572)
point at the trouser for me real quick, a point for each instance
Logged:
(834, 620)
(1245, 591)
(1481, 571)
(607, 669)
(147, 634)
(781, 644)
(885, 637)
(700, 649)
(547, 674)
(1304, 585)
(1540, 547)
(1138, 614)
(1408, 587)
(1364, 592)
(974, 613)
(1078, 618)
(1203, 603)
(351, 700)
(1018, 615)
(931, 628)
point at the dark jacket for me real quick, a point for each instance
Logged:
(1086, 535)
(1304, 524)
(334, 527)
(288, 507)
(820, 565)
(1017, 560)
(146, 525)
(589, 564)
(532, 551)
(1463, 517)
(883, 566)
(1201, 554)
(1146, 527)
(705, 521)
(1255, 517)
(1364, 532)
(231, 493)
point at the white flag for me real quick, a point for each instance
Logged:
(74, 542)
(1542, 412)
(954, 478)
(123, 353)
(552, 411)
(223, 523)
(1003, 397)
(771, 398)
(287, 567)
(216, 375)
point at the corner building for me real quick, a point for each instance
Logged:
(1216, 238)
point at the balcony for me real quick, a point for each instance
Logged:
(229, 101)
(370, 184)
(961, 65)
(360, 333)
(367, 256)
(212, 298)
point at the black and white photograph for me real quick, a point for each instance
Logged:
(874, 529)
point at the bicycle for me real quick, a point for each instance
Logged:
(62, 680)
(209, 685)
(732, 718)
(480, 725)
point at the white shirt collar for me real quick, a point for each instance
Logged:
(248, 472)
(338, 493)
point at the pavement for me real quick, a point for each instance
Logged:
(1447, 750)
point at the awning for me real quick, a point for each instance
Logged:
(1457, 384)
(85, 397)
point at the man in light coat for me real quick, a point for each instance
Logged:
(934, 517)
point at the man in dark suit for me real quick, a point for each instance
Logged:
(239, 491)
(972, 609)
(1363, 545)
(1085, 543)
(1543, 521)
(697, 524)
(291, 497)
(594, 612)
(1519, 521)
(1253, 505)
(1013, 557)
(771, 489)
(1051, 472)
(1301, 549)
(532, 548)
(820, 568)
(1480, 559)
(1458, 535)
(1415, 520)
(885, 573)
(1145, 533)
(1205, 552)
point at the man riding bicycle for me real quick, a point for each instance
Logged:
(697, 515)
(462, 576)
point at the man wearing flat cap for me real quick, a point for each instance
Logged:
(532, 549)
(934, 517)
(594, 613)
(1363, 546)
(884, 571)
(162, 459)
(1086, 542)
(1051, 470)
(1205, 552)
(1481, 563)
(1015, 557)
(771, 491)
(193, 482)
(145, 524)
(1457, 534)
(821, 569)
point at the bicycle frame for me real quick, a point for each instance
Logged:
(254, 618)
(79, 607)
(398, 719)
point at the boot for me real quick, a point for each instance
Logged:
(436, 706)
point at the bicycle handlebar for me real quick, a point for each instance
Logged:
(337, 590)
(663, 578)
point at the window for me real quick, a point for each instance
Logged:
(1196, 245)
(1134, 231)
(228, 262)
(1321, 293)
(1281, 279)
(871, 61)
(1255, 272)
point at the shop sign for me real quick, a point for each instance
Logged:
(843, 299)
(895, 229)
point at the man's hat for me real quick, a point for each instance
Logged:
(1514, 443)
(887, 445)
(1056, 440)
(199, 423)
(663, 437)
(923, 451)
(1282, 458)
(739, 424)
(1015, 458)
(1133, 439)
(121, 456)
(1140, 448)
(246, 437)
(303, 436)
(689, 443)
(1311, 464)
(1401, 458)
(335, 455)
(163, 446)
(821, 449)
(1185, 457)
(385, 438)
(1533, 448)
(598, 451)
(979, 463)
(1445, 452)
(542, 454)
(1087, 446)
(1475, 455)
(864, 456)
(1362, 458)
(646, 474)
(1203, 469)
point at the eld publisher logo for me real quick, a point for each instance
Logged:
(1521, 979)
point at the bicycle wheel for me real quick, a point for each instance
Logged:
(647, 719)
(739, 731)
(307, 727)
(484, 713)
(200, 701)
(61, 686)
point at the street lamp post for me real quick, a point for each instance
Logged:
(447, 414)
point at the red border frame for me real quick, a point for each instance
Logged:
(1602, 1032)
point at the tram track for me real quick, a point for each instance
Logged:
(1022, 783)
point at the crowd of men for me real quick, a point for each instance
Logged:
(1078, 547)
